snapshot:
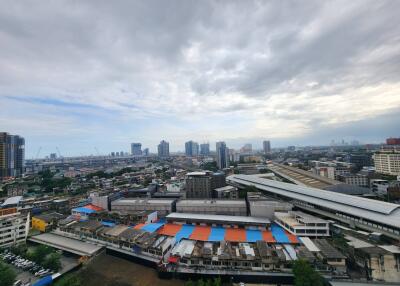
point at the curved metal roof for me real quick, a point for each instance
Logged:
(378, 211)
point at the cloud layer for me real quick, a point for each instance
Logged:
(80, 75)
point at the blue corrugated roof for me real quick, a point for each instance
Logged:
(279, 234)
(253, 235)
(47, 280)
(152, 227)
(84, 210)
(217, 234)
(185, 232)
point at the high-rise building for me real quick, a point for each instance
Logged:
(200, 185)
(266, 146)
(387, 162)
(12, 155)
(191, 148)
(146, 152)
(205, 149)
(222, 155)
(136, 149)
(163, 149)
(247, 148)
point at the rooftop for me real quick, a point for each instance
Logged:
(220, 218)
(194, 202)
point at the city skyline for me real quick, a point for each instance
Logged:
(293, 74)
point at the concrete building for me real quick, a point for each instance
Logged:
(201, 184)
(191, 148)
(387, 162)
(302, 224)
(262, 206)
(205, 149)
(146, 152)
(266, 147)
(224, 220)
(222, 155)
(12, 155)
(136, 149)
(136, 205)
(14, 227)
(163, 149)
(227, 192)
(355, 180)
(214, 207)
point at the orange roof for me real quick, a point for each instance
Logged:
(170, 229)
(93, 207)
(235, 234)
(138, 226)
(267, 236)
(201, 233)
(292, 237)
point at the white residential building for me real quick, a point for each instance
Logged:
(14, 227)
(387, 162)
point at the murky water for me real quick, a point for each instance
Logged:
(113, 271)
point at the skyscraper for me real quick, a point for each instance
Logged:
(136, 149)
(191, 148)
(266, 146)
(205, 149)
(222, 155)
(163, 149)
(12, 155)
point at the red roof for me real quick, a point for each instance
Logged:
(173, 259)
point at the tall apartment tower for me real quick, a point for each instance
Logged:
(266, 146)
(12, 155)
(205, 149)
(163, 149)
(136, 149)
(191, 148)
(222, 155)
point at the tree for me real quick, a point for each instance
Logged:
(52, 261)
(7, 275)
(217, 281)
(189, 283)
(69, 280)
(39, 253)
(305, 275)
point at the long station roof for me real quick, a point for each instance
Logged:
(378, 211)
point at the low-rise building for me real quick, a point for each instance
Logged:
(262, 206)
(361, 180)
(227, 192)
(14, 227)
(46, 222)
(302, 224)
(216, 207)
(134, 205)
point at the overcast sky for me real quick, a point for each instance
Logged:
(86, 74)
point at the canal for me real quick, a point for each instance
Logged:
(110, 270)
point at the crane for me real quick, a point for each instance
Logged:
(38, 152)
(58, 151)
